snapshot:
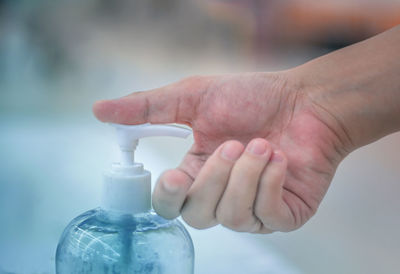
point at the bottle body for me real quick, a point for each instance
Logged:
(99, 242)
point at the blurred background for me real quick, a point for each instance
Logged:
(58, 57)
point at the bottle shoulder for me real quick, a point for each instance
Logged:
(99, 219)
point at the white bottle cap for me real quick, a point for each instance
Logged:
(127, 186)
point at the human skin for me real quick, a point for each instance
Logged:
(267, 145)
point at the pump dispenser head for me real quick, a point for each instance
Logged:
(128, 137)
(127, 185)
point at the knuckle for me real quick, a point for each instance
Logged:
(195, 222)
(196, 216)
(192, 80)
(266, 215)
(166, 175)
(196, 83)
(235, 222)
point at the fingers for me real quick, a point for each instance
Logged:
(269, 205)
(172, 186)
(236, 187)
(170, 193)
(175, 103)
(209, 185)
(235, 209)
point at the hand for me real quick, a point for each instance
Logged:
(263, 157)
(296, 125)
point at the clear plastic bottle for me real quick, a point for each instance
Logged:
(100, 242)
(124, 235)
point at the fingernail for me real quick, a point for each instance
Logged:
(277, 157)
(257, 147)
(230, 151)
(170, 187)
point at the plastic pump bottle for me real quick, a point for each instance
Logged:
(124, 235)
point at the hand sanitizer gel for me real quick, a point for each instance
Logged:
(124, 235)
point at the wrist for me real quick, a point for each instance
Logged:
(356, 90)
(323, 100)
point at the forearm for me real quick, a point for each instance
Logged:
(357, 89)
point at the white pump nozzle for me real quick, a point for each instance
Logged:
(127, 186)
(129, 135)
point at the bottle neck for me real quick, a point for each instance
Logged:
(126, 190)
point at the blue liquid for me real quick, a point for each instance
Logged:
(101, 242)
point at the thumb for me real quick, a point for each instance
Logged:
(174, 103)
